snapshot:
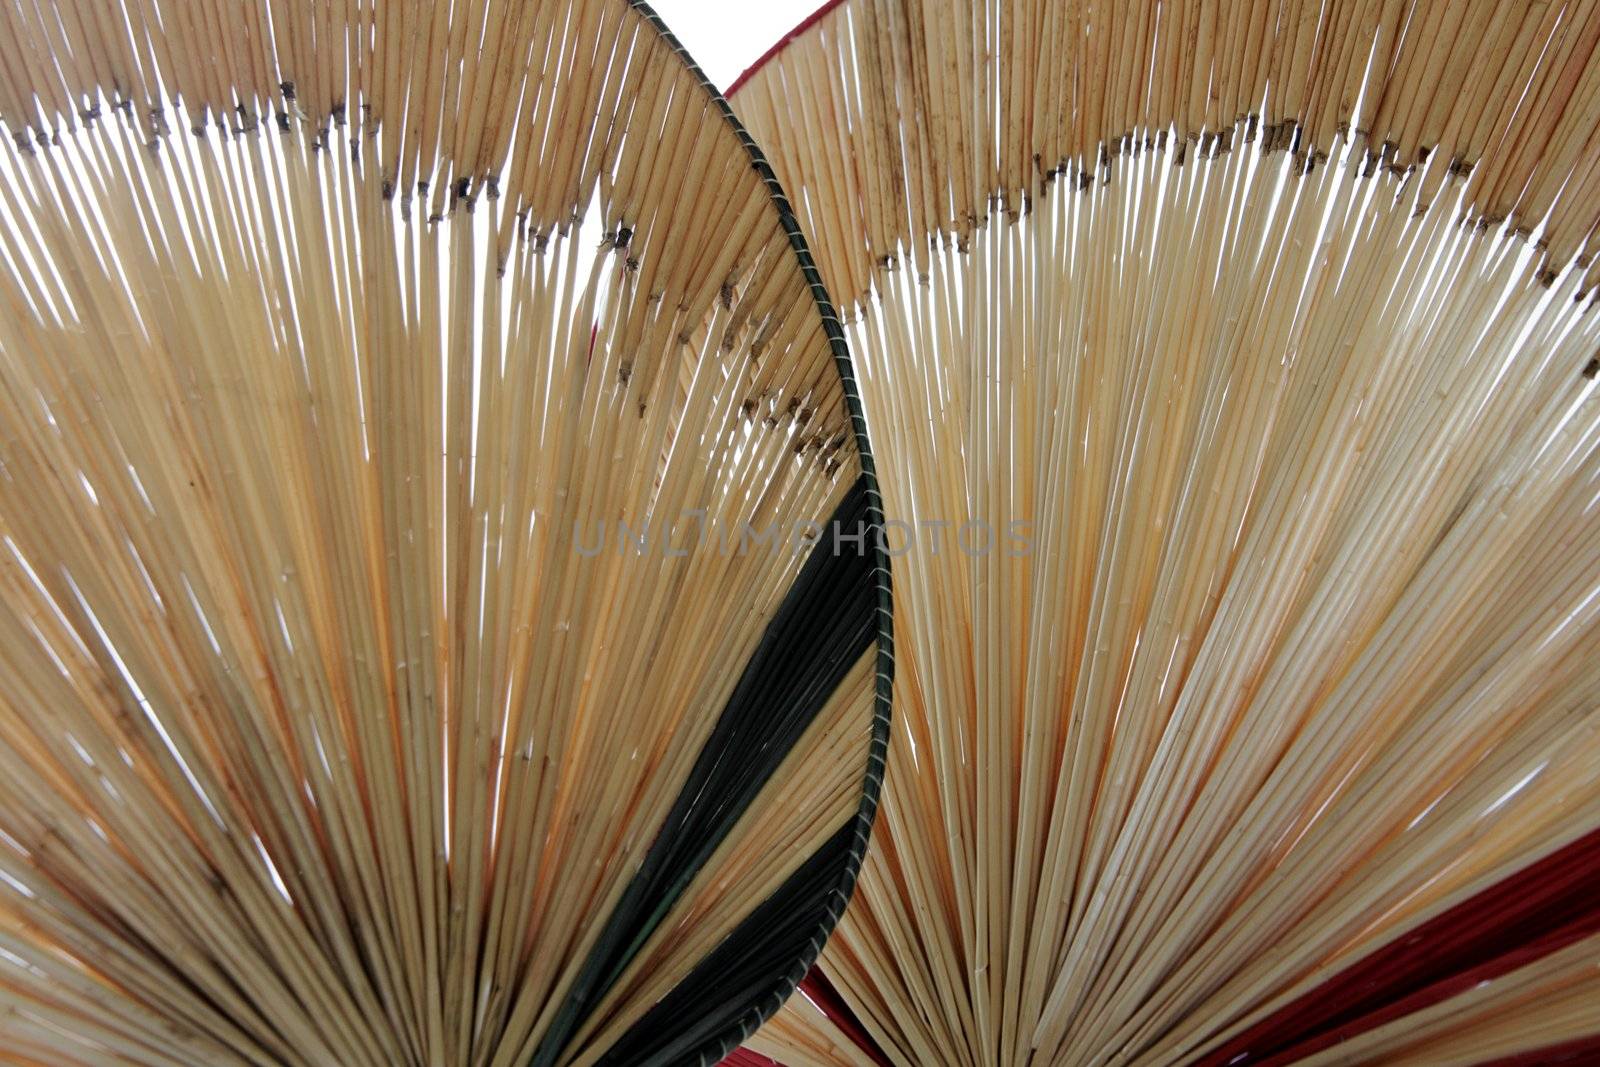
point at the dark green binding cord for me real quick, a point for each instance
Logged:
(846, 598)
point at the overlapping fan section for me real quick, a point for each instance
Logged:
(389, 394)
(1231, 367)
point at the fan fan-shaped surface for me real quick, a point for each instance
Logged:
(1242, 353)
(407, 656)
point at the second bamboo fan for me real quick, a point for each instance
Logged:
(1232, 370)
(424, 640)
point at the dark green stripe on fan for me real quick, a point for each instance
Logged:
(690, 1024)
(824, 625)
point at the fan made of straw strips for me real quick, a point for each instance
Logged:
(438, 622)
(1271, 325)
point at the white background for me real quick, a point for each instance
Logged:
(726, 36)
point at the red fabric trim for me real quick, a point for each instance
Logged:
(743, 1057)
(1453, 986)
(1520, 919)
(1585, 1050)
(816, 988)
(766, 57)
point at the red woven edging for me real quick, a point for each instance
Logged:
(1522, 918)
(1452, 986)
(816, 988)
(766, 57)
(1582, 1051)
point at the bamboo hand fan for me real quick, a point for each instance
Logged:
(407, 657)
(1243, 355)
